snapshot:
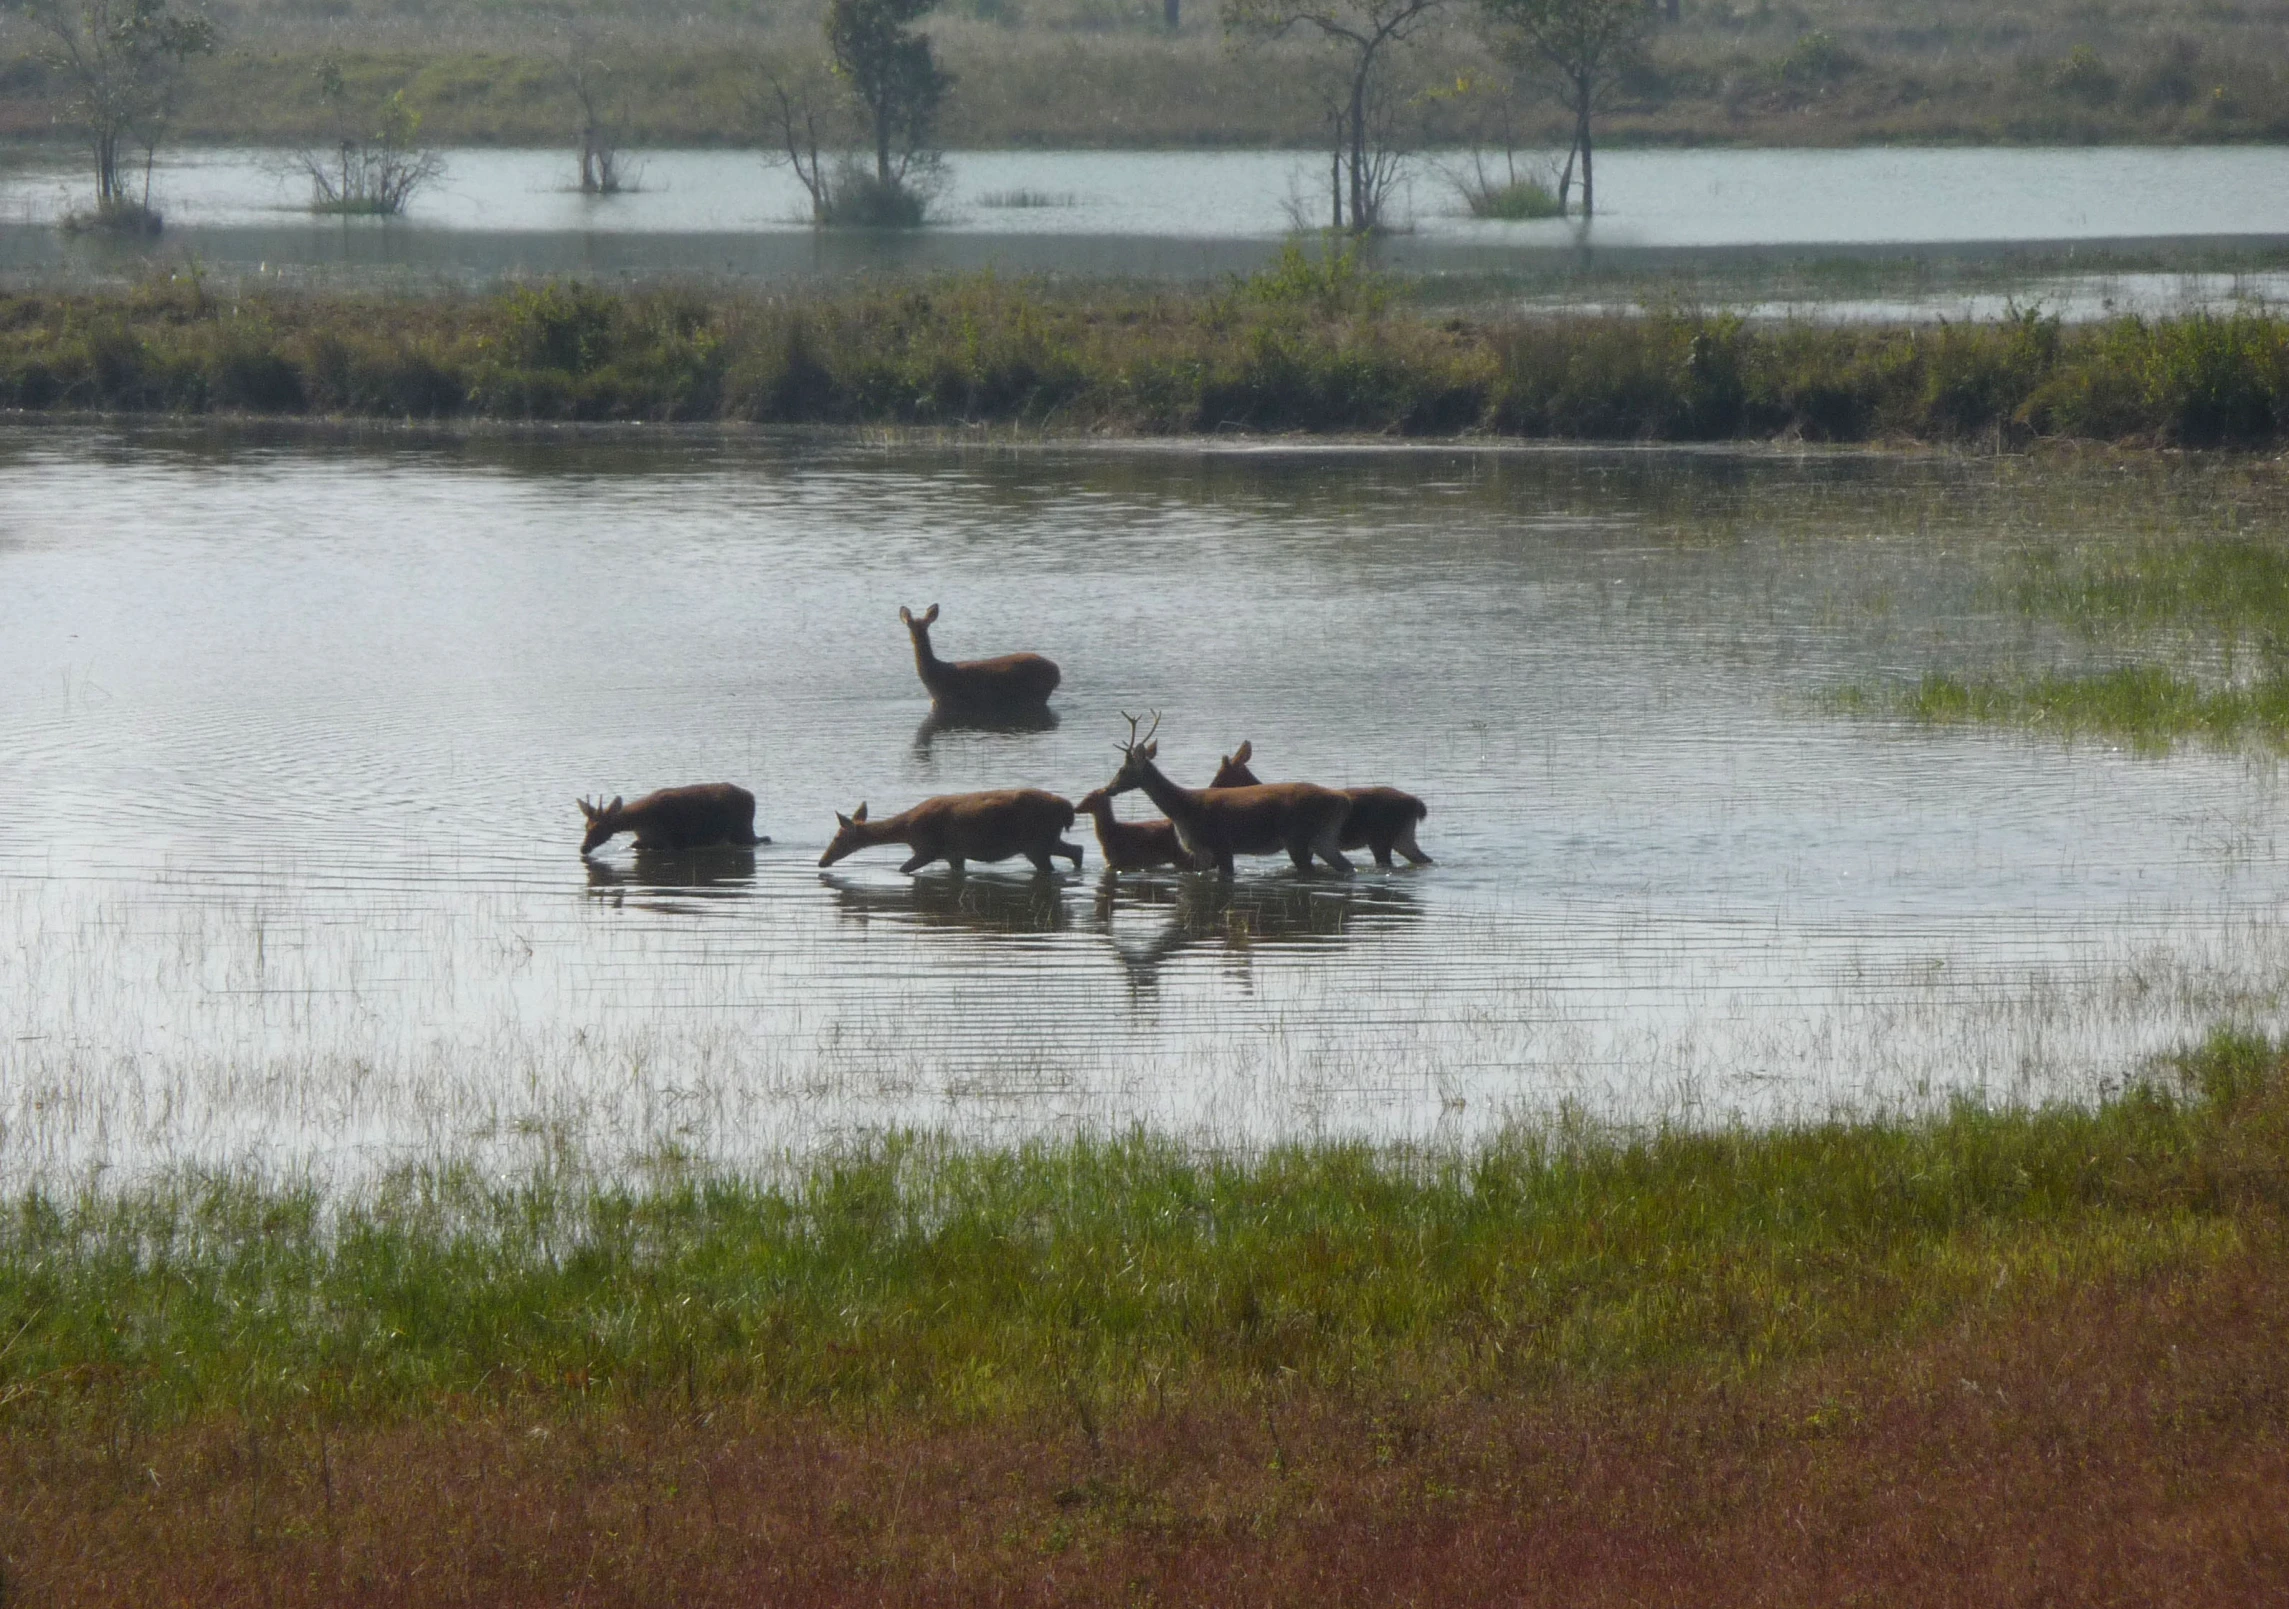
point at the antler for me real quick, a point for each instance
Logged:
(1134, 741)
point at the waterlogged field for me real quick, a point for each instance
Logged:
(294, 725)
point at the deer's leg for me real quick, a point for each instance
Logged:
(1382, 849)
(1412, 850)
(1299, 851)
(921, 858)
(1070, 851)
(1330, 847)
(1042, 864)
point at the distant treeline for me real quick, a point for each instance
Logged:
(1761, 75)
(1309, 345)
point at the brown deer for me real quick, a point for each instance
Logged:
(1382, 819)
(1215, 824)
(1012, 681)
(1132, 846)
(961, 827)
(676, 818)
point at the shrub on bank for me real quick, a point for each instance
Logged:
(1307, 345)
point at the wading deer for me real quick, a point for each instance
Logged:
(1132, 846)
(960, 827)
(1215, 824)
(676, 818)
(1382, 819)
(1010, 682)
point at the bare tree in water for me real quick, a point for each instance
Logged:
(1363, 30)
(590, 76)
(121, 61)
(1582, 49)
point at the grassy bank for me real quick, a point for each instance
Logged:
(1307, 345)
(1094, 1372)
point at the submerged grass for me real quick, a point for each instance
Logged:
(2230, 592)
(1092, 1274)
(2149, 706)
(1306, 345)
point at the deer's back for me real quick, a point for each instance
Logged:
(688, 818)
(1262, 818)
(1006, 679)
(992, 825)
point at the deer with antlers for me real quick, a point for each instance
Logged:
(1382, 819)
(1132, 846)
(961, 827)
(700, 817)
(1215, 824)
(1009, 682)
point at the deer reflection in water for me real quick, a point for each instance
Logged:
(989, 723)
(981, 904)
(677, 880)
(1236, 920)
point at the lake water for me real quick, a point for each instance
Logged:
(291, 727)
(1183, 214)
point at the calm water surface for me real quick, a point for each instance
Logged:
(1152, 213)
(291, 730)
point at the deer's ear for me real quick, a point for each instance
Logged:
(1151, 749)
(860, 813)
(930, 615)
(613, 808)
(586, 808)
(839, 816)
(1240, 754)
(906, 614)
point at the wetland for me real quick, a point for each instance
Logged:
(1773, 1099)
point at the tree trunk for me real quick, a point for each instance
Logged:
(1566, 179)
(1171, 14)
(106, 168)
(1359, 218)
(1335, 176)
(882, 145)
(1589, 190)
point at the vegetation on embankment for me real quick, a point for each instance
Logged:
(1103, 1367)
(1307, 345)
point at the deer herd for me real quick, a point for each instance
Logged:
(1201, 828)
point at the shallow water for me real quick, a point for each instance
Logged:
(293, 728)
(1152, 213)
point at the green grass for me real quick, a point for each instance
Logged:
(1515, 202)
(929, 1277)
(2225, 597)
(2150, 707)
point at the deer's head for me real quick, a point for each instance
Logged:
(849, 836)
(1136, 757)
(1233, 772)
(603, 822)
(1093, 801)
(919, 624)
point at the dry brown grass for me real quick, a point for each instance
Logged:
(2128, 1446)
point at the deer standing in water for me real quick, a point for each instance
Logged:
(1009, 682)
(1132, 846)
(961, 827)
(1382, 819)
(676, 818)
(1215, 824)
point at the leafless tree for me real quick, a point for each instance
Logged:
(1363, 30)
(590, 76)
(1582, 49)
(121, 62)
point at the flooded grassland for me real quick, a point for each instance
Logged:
(288, 876)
